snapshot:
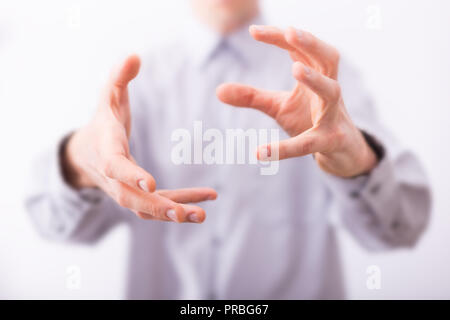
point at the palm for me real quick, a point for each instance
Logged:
(295, 112)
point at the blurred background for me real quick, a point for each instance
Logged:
(55, 56)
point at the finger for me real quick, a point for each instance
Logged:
(120, 168)
(127, 71)
(327, 88)
(275, 36)
(193, 214)
(190, 213)
(301, 145)
(270, 35)
(146, 203)
(323, 53)
(144, 216)
(245, 96)
(189, 195)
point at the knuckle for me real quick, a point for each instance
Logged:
(152, 209)
(336, 92)
(159, 212)
(249, 97)
(121, 197)
(107, 168)
(307, 146)
(340, 135)
(337, 136)
(141, 215)
(332, 65)
(336, 57)
(144, 216)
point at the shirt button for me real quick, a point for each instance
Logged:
(216, 241)
(375, 189)
(354, 194)
(395, 225)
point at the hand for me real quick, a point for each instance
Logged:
(313, 113)
(98, 155)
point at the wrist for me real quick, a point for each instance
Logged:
(71, 166)
(370, 154)
(355, 159)
(368, 160)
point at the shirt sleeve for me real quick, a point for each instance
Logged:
(60, 212)
(389, 207)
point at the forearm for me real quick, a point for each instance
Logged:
(56, 208)
(390, 206)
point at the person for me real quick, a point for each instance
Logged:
(266, 236)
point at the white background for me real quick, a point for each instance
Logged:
(55, 56)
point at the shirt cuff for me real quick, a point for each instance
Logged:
(377, 189)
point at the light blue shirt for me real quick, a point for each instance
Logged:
(266, 236)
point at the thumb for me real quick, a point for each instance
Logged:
(126, 72)
(117, 88)
(306, 143)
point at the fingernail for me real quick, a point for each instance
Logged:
(172, 215)
(264, 153)
(299, 33)
(307, 70)
(193, 217)
(211, 197)
(143, 185)
(257, 28)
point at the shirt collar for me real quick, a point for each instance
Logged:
(203, 42)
